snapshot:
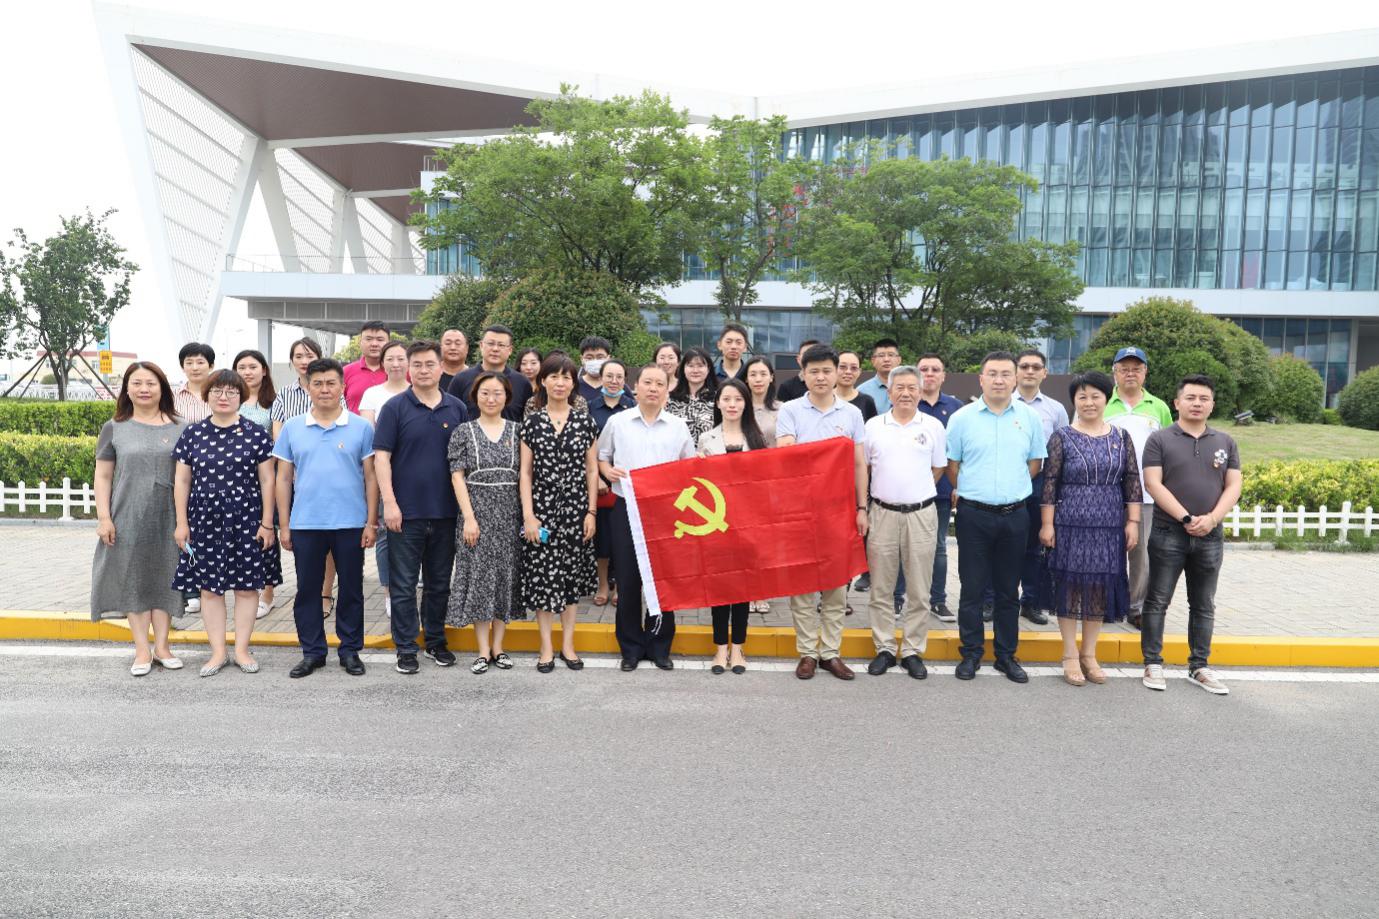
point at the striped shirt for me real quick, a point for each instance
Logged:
(190, 405)
(292, 401)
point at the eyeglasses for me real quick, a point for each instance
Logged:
(224, 393)
(1031, 366)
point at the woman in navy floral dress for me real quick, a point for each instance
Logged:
(224, 497)
(1091, 508)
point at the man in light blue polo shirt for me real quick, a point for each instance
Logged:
(885, 357)
(995, 446)
(328, 505)
(818, 415)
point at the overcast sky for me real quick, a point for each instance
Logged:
(62, 152)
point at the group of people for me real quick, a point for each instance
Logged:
(498, 491)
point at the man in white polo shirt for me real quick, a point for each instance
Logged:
(903, 521)
(818, 415)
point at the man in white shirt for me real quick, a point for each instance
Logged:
(903, 521)
(630, 440)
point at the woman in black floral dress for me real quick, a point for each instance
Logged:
(694, 394)
(559, 488)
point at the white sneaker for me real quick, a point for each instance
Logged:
(1206, 678)
(193, 606)
(264, 610)
(1154, 677)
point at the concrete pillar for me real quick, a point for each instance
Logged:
(266, 337)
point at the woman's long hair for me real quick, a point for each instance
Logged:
(555, 363)
(709, 391)
(750, 431)
(124, 406)
(267, 391)
(771, 401)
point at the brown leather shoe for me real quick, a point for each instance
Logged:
(839, 669)
(806, 667)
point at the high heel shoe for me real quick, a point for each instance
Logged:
(1071, 676)
(1093, 673)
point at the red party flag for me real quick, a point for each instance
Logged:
(746, 526)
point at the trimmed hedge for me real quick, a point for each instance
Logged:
(65, 419)
(34, 458)
(1359, 401)
(1312, 483)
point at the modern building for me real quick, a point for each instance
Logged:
(1246, 179)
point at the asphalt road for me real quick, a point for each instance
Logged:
(676, 794)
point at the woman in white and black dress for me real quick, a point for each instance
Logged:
(484, 469)
(559, 488)
(693, 397)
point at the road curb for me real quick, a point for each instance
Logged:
(769, 642)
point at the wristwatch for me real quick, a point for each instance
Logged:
(1185, 519)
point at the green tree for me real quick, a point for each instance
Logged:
(615, 187)
(351, 350)
(922, 251)
(1179, 339)
(754, 195)
(59, 295)
(1297, 393)
(461, 303)
(964, 355)
(558, 308)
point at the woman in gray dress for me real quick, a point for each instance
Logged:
(131, 575)
(484, 464)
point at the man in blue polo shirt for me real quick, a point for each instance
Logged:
(940, 406)
(328, 506)
(419, 510)
(995, 445)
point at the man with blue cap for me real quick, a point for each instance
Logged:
(1133, 408)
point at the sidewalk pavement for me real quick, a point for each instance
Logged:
(1264, 593)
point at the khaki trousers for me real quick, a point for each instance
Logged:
(819, 632)
(1139, 561)
(896, 540)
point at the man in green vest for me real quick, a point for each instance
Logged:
(1133, 408)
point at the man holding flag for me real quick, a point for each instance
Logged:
(816, 416)
(632, 440)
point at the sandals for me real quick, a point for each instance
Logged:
(1073, 675)
(326, 611)
(1094, 673)
(601, 599)
(480, 665)
(501, 661)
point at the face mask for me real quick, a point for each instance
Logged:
(592, 367)
(610, 393)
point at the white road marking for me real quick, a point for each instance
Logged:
(1133, 672)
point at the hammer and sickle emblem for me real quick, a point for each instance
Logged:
(713, 519)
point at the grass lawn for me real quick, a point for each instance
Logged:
(1261, 442)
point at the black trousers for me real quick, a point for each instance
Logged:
(309, 551)
(736, 613)
(639, 636)
(991, 552)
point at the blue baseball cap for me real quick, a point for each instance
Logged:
(1136, 353)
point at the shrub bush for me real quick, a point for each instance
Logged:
(1297, 391)
(964, 355)
(34, 458)
(1331, 416)
(1312, 483)
(1359, 401)
(462, 303)
(65, 419)
(564, 307)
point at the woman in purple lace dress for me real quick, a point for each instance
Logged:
(1091, 509)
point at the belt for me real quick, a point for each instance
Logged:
(903, 508)
(1002, 509)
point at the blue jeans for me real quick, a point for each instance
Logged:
(1173, 552)
(938, 587)
(309, 551)
(425, 549)
(990, 549)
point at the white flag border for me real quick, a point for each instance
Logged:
(634, 520)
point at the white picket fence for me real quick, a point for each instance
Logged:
(80, 500)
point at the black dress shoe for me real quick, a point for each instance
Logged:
(1012, 669)
(307, 667)
(967, 668)
(665, 663)
(883, 661)
(1133, 622)
(352, 664)
(629, 664)
(914, 666)
(1034, 614)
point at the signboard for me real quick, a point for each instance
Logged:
(107, 363)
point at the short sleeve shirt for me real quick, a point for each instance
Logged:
(1194, 468)
(995, 451)
(878, 392)
(373, 399)
(328, 470)
(800, 419)
(190, 405)
(416, 437)
(901, 457)
(628, 442)
(358, 379)
(941, 410)
(1051, 413)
